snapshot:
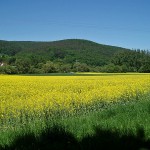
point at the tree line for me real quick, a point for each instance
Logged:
(122, 61)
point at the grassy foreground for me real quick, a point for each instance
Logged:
(117, 126)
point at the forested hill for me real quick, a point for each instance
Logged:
(69, 55)
(68, 51)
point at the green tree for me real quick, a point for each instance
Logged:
(23, 65)
(80, 67)
(49, 67)
(65, 68)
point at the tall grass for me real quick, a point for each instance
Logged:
(122, 117)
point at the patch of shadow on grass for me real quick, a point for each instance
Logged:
(107, 139)
(55, 138)
(58, 138)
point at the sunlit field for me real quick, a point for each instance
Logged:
(24, 99)
(34, 95)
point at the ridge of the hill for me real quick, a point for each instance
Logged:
(68, 50)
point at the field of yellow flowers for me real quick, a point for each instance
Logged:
(35, 94)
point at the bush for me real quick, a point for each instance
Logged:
(8, 70)
(111, 68)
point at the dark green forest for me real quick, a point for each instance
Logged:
(71, 55)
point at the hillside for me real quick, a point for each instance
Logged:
(71, 55)
(68, 51)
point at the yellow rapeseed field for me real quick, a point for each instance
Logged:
(34, 94)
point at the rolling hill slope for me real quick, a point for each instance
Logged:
(69, 51)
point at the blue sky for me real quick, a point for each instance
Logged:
(124, 23)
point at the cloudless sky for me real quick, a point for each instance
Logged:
(124, 23)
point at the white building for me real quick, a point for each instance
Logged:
(1, 64)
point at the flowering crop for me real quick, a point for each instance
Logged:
(35, 94)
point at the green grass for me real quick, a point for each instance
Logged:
(122, 120)
(83, 74)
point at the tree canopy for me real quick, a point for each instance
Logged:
(70, 55)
